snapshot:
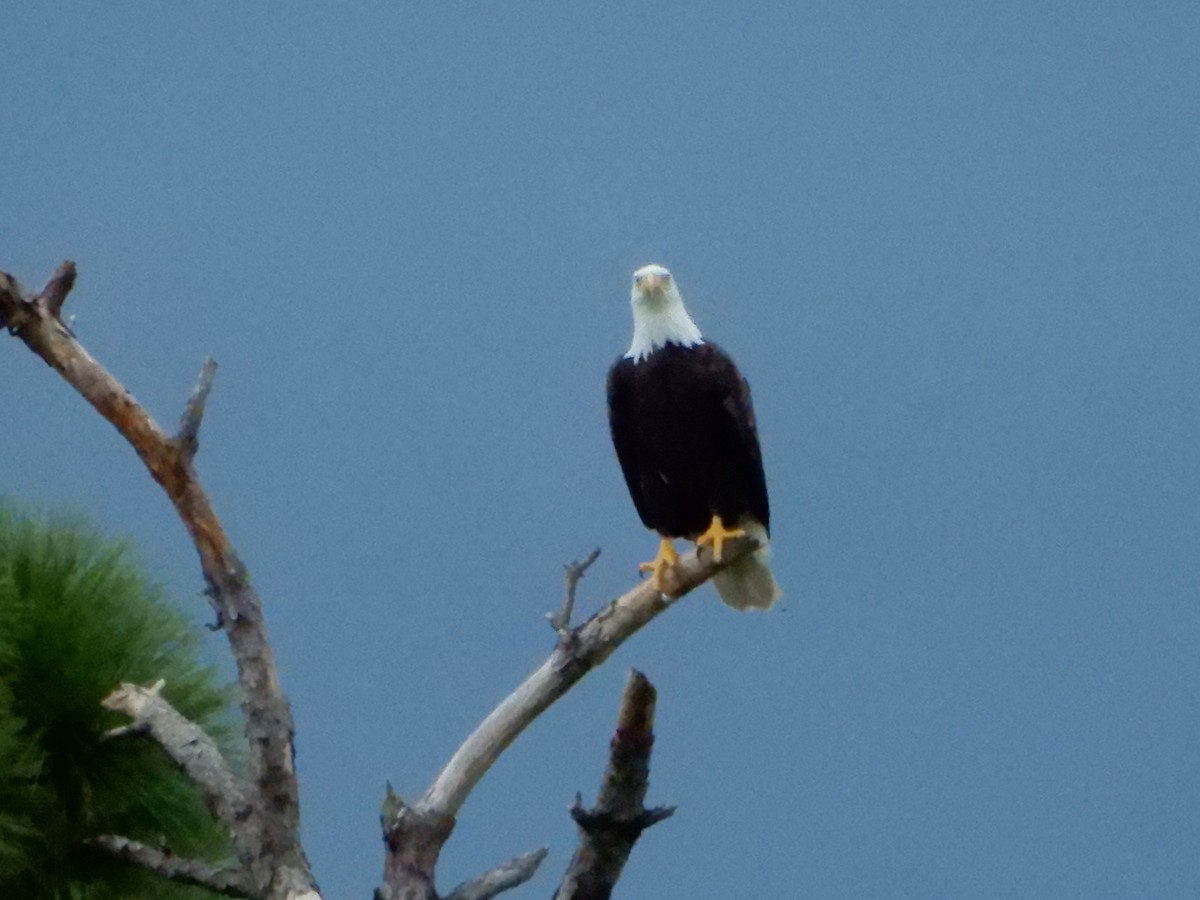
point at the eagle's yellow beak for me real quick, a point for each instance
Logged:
(652, 283)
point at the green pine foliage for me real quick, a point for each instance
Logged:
(77, 617)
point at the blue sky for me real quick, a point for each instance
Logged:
(954, 247)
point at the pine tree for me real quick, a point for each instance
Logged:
(78, 616)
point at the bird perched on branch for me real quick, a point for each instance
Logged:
(683, 427)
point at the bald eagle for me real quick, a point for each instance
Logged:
(683, 427)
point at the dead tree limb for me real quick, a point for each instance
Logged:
(504, 876)
(576, 654)
(279, 867)
(414, 835)
(193, 751)
(609, 830)
(232, 883)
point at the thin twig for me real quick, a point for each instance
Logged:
(133, 729)
(54, 294)
(189, 424)
(574, 572)
(502, 878)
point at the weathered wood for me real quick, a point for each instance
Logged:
(280, 869)
(577, 653)
(193, 751)
(610, 829)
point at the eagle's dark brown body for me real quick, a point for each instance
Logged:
(683, 427)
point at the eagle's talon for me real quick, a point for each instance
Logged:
(717, 535)
(666, 559)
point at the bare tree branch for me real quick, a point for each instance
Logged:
(609, 831)
(415, 835)
(502, 878)
(194, 751)
(580, 651)
(230, 882)
(280, 868)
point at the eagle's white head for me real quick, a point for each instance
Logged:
(659, 317)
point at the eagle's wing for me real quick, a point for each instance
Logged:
(621, 423)
(740, 432)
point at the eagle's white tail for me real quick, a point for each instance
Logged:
(748, 583)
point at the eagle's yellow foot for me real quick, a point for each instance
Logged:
(717, 535)
(666, 559)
